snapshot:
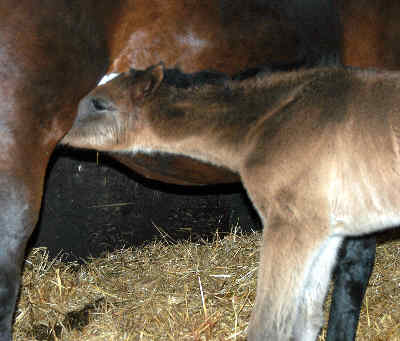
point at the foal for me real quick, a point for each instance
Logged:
(317, 151)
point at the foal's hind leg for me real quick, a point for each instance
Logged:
(310, 315)
(295, 267)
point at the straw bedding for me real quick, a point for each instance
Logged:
(169, 290)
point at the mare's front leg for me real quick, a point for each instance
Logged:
(295, 268)
(355, 264)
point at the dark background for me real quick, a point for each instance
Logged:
(93, 204)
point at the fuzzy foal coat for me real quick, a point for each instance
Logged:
(317, 151)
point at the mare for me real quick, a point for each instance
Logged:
(52, 52)
(268, 129)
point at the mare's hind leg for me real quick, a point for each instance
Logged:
(17, 220)
(295, 268)
(355, 264)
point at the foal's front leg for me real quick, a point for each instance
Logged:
(295, 267)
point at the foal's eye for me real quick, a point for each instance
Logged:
(100, 104)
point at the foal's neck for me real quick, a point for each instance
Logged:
(217, 123)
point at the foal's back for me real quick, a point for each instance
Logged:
(335, 146)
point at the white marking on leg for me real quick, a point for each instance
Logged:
(315, 287)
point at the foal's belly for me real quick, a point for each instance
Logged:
(365, 208)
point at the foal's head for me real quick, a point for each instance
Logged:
(112, 114)
(120, 114)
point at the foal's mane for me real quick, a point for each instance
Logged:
(208, 82)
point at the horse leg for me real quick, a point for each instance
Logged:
(355, 264)
(17, 219)
(310, 316)
(23, 163)
(295, 268)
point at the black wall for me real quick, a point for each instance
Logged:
(93, 204)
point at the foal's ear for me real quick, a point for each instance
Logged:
(148, 82)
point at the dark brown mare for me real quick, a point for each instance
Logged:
(269, 129)
(52, 52)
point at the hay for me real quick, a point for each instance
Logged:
(172, 291)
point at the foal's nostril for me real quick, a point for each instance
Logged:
(99, 104)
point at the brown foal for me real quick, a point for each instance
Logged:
(317, 151)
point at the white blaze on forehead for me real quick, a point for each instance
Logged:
(106, 78)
